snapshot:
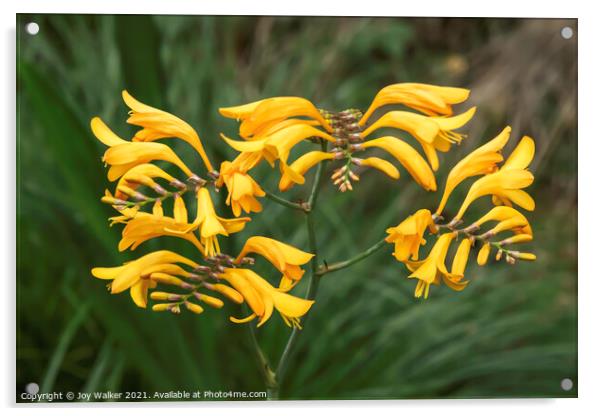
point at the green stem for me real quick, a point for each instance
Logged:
(269, 377)
(346, 263)
(314, 279)
(285, 202)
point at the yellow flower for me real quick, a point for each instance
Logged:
(242, 189)
(432, 269)
(123, 155)
(296, 171)
(144, 175)
(517, 238)
(433, 133)
(460, 259)
(271, 111)
(508, 218)
(158, 124)
(145, 226)
(262, 298)
(520, 158)
(484, 254)
(135, 275)
(408, 235)
(407, 156)
(210, 225)
(284, 257)
(480, 161)
(508, 182)
(277, 145)
(429, 99)
(377, 163)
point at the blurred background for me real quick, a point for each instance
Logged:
(511, 333)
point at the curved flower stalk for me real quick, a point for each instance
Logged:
(142, 184)
(505, 184)
(284, 257)
(220, 275)
(270, 129)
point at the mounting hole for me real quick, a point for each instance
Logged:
(32, 28)
(566, 384)
(32, 388)
(566, 32)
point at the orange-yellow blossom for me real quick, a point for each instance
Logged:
(270, 111)
(158, 124)
(242, 189)
(263, 298)
(508, 182)
(480, 161)
(135, 275)
(144, 226)
(432, 270)
(295, 173)
(210, 225)
(123, 155)
(407, 157)
(433, 133)
(520, 158)
(408, 235)
(429, 99)
(286, 258)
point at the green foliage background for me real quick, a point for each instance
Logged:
(511, 333)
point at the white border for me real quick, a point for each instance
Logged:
(590, 150)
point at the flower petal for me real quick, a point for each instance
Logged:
(382, 165)
(408, 157)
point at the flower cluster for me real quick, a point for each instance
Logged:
(270, 128)
(269, 131)
(141, 183)
(504, 184)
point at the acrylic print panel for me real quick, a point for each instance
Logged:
(396, 215)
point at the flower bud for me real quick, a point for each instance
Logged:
(483, 254)
(193, 307)
(227, 291)
(165, 296)
(209, 300)
(162, 307)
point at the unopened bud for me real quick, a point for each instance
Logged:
(113, 201)
(209, 300)
(227, 291)
(165, 296)
(193, 307)
(162, 307)
(483, 254)
(167, 279)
